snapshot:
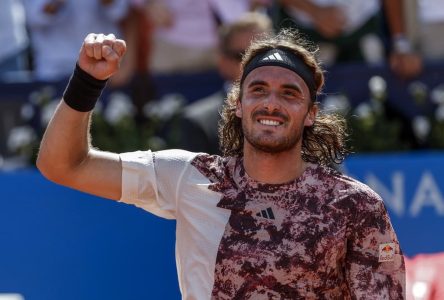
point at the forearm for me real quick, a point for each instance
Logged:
(65, 144)
(329, 21)
(306, 6)
(395, 17)
(403, 60)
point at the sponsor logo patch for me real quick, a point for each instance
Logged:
(386, 252)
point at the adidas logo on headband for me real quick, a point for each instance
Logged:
(274, 56)
(284, 58)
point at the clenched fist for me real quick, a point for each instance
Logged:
(100, 55)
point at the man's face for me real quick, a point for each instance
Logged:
(274, 109)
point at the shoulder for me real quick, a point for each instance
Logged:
(357, 202)
(172, 155)
(214, 167)
(347, 188)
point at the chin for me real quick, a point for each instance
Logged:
(272, 142)
(273, 147)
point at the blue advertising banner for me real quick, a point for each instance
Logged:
(412, 186)
(60, 244)
(57, 243)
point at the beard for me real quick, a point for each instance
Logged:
(265, 141)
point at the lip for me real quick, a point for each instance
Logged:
(279, 120)
(274, 116)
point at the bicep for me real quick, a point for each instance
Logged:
(99, 174)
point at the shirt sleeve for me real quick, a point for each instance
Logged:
(150, 180)
(374, 262)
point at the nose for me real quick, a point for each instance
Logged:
(271, 103)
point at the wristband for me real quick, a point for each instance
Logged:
(401, 44)
(83, 90)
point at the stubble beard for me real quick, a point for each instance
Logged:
(266, 142)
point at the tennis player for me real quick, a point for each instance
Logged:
(270, 219)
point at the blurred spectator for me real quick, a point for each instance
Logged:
(137, 31)
(134, 74)
(13, 36)
(185, 32)
(62, 25)
(350, 30)
(404, 62)
(425, 277)
(197, 127)
(426, 23)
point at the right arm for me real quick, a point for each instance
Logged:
(374, 262)
(66, 155)
(329, 21)
(403, 60)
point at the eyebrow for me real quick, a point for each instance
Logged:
(293, 87)
(286, 86)
(257, 82)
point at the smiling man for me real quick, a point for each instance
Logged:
(270, 219)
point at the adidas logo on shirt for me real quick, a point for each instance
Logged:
(274, 56)
(266, 213)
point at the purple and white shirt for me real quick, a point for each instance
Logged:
(321, 236)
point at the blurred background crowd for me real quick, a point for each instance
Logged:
(384, 62)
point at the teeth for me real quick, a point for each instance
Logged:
(269, 122)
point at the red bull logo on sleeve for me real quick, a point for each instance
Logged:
(386, 252)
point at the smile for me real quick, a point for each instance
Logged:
(269, 122)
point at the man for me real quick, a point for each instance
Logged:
(350, 31)
(196, 127)
(269, 219)
(62, 25)
(185, 33)
(13, 37)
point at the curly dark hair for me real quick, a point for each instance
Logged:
(324, 142)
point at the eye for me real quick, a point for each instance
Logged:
(289, 93)
(292, 94)
(258, 90)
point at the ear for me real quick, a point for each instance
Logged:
(311, 115)
(238, 108)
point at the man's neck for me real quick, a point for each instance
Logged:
(273, 168)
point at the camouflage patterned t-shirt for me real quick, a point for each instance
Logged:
(321, 236)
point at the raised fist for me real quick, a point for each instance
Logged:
(100, 55)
